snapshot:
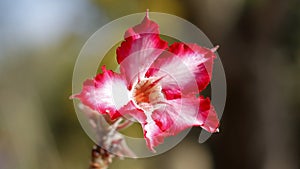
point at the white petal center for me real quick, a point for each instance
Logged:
(147, 94)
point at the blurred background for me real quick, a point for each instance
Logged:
(260, 50)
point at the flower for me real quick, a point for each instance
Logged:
(158, 86)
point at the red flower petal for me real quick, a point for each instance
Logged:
(103, 93)
(141, 47)
(208, 118)
(178, 115)
(130, 111)
(145, 27)
(184, 65)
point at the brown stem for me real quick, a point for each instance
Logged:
(100, 158)
(112, 143)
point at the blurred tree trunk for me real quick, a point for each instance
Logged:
(257, 131)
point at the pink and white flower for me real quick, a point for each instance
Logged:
(158, 85)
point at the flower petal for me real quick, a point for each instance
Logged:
(106, 93)
(131, 111)
(183, 66)
(145, 27)
(208, 118)
(178, 115)
(152, 133)
(141, 47)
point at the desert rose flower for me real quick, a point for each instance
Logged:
(158, 85)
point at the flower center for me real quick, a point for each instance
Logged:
(146, 93)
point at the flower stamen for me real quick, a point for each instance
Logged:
(146, 93)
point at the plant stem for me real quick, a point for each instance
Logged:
(100, 158)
